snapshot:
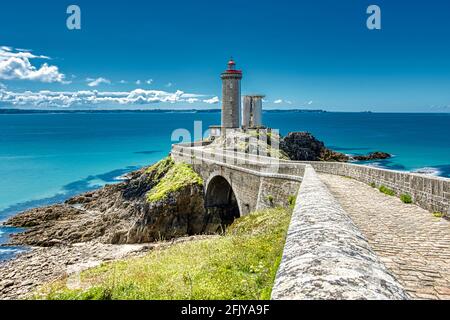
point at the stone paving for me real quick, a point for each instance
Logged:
(326, 256)
(412, 243)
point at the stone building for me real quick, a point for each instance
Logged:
(252, 112)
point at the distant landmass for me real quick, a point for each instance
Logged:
(36, 111)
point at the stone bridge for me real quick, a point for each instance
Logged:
(250, 182)
(331, 250)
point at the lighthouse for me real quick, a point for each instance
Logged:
(231, 96)
(231, 105)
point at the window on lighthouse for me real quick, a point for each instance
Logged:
(231, 85)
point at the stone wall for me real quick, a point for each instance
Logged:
(276, 193)
(428, 192)
(326, 256)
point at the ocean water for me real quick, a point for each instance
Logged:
(46, 158)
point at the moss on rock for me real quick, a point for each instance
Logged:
(161, 167)
(179, 175)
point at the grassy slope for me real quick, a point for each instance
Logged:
(179, 175)
(238, 265)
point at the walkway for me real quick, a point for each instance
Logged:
(412, 243)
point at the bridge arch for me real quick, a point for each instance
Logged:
(221, 199)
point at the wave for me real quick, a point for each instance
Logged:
(122, 177)
(376, 164)
(6, 250)
(431, 171)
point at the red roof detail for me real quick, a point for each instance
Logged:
(233, 71)
(231, 67)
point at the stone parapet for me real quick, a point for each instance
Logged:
(326, 256)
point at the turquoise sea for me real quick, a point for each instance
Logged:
(46, 158)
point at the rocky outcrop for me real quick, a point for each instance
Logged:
(372, 156)
(124, 213)
(303, 146)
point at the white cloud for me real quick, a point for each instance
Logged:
(435, 107)
(95, 97)
(149, 81)
(310, 102)
(98, 81)
(138, 82)
(170, 84)
(213, 100)
(16, 65)
(2, 86)
(279, 101)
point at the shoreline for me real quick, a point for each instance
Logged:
(24, 274)
(44, 203)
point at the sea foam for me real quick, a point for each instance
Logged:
(430, 171)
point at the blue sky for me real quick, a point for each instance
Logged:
(301, 54)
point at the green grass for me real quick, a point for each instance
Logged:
(291, 201)
(406, 198)
(178, 176)
(241, 264)
(373, 185)
(438, 214)
(161, 167)
(270, 199)
(386, 190)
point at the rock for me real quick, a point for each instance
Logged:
(303, 146)
(39, 216)
(372, 156)
(6, 283)
(183, 213)
(56, 242)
